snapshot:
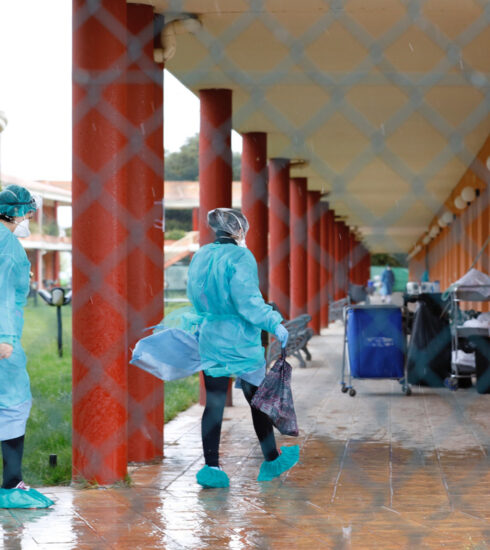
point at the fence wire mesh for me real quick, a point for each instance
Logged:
(388, 104)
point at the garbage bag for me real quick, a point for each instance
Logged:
(429, 351)
(473, 285)
(275, 398)
(168, 354)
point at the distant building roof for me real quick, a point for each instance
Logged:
(185, 194)
(178, 194)
(59, 191)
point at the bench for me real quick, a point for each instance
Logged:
(299, 335)
(356, 294)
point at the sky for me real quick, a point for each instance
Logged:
(35, 92)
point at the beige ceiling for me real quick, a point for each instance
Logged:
(387, 100)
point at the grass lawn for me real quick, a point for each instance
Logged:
(49, 425)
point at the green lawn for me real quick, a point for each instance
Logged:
(49, 426)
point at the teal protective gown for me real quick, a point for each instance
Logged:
(223, 287)
(15, 393)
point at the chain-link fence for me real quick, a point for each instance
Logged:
(383, 108)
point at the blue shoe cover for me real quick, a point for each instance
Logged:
(287, 459)
(21, 498)
(211, 477)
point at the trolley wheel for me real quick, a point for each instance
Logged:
(451, 383)
(344, 388)
(407, 390)
(352, 392)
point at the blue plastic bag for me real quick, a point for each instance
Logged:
(169, 354)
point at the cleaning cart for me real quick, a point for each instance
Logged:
(374, 345)
(468, 337)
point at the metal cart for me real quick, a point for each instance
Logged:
(461, 335)
(374, 345)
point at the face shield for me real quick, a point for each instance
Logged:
(17, 201)
(230, 222)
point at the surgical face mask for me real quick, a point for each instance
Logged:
(241, 241)
(22, 230)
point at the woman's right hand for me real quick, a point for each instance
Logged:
(6, 351)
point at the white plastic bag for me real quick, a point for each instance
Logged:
(169, 354)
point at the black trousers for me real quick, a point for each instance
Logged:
(212, 418)
(12, 451)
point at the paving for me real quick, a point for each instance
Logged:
(379, 470)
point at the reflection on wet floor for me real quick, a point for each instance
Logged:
(380, 470)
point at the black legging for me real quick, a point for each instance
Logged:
(212, 418)
(12, 451)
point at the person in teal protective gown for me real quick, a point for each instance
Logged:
(224, 289)
(17, 206)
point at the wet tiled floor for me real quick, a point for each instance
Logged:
(380, 470)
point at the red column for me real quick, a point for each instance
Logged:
(279, 234)
(352, 251)
(56, 267)
(324, 264)
(255, 201)
(56, 253)
(331, 254)
(367, 269)
(38, 274)
(99, 242)
(338, 261)
(298, 246)
(145, 214)
(344, 259)
(313, 259)
(215, 173)
(195, 219)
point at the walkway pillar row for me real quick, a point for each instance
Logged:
(297, 201)
(337, 260)
(279, 242)
(357, 262)
(324, 265)
(144, 223)
(99, 243)
(56, 266)
(215, 170)
(314, 259)
(255, 201)
(39, 276)
(345, 258)
(352, 259)
(331, 255)
(367, 272)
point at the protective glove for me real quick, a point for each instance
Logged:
(282, 335)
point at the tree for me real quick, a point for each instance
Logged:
(183, 165)
(393, 260)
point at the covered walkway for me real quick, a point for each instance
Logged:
(380, 470)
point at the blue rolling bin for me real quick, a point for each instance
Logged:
(375, 345)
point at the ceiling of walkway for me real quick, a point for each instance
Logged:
(388, 101)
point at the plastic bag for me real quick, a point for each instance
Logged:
(168, 354)
(274, 397)
(183, 318)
